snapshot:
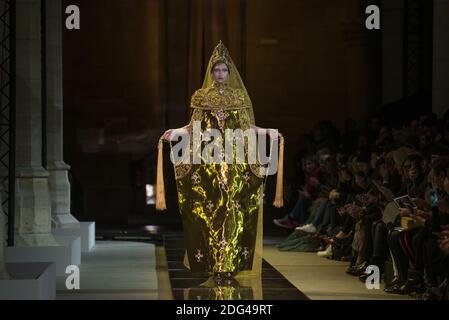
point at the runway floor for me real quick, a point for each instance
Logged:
(129, 266)
(272, 285)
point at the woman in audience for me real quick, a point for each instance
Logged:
(350, 210)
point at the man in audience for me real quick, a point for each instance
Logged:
(346, 202)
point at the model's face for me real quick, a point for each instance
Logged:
(220, 73)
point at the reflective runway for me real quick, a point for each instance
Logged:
(186, 285)
(148, 264)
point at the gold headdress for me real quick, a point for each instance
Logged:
(221, 54)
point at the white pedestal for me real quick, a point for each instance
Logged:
(66, 254)
(30, 281)
(86, 231)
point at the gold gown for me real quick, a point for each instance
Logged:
(220, 203)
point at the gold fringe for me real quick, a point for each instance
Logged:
(160, 187)
(279, 197)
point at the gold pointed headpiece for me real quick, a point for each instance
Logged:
(221, 54)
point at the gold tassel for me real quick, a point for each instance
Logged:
(279, 197)
(160, 187)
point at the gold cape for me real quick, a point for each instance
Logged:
(221, 204)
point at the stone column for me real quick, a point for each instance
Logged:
(440, 94)
(3, 272)
(33, 207)
(3, 174)
(58, 181)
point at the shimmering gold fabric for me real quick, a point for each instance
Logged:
(229, 289)
(220, 202)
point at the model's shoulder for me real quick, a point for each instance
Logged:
(237, 90)
(241, 95)
(197, 98)
(199, 93)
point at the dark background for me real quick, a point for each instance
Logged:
(131, 69)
